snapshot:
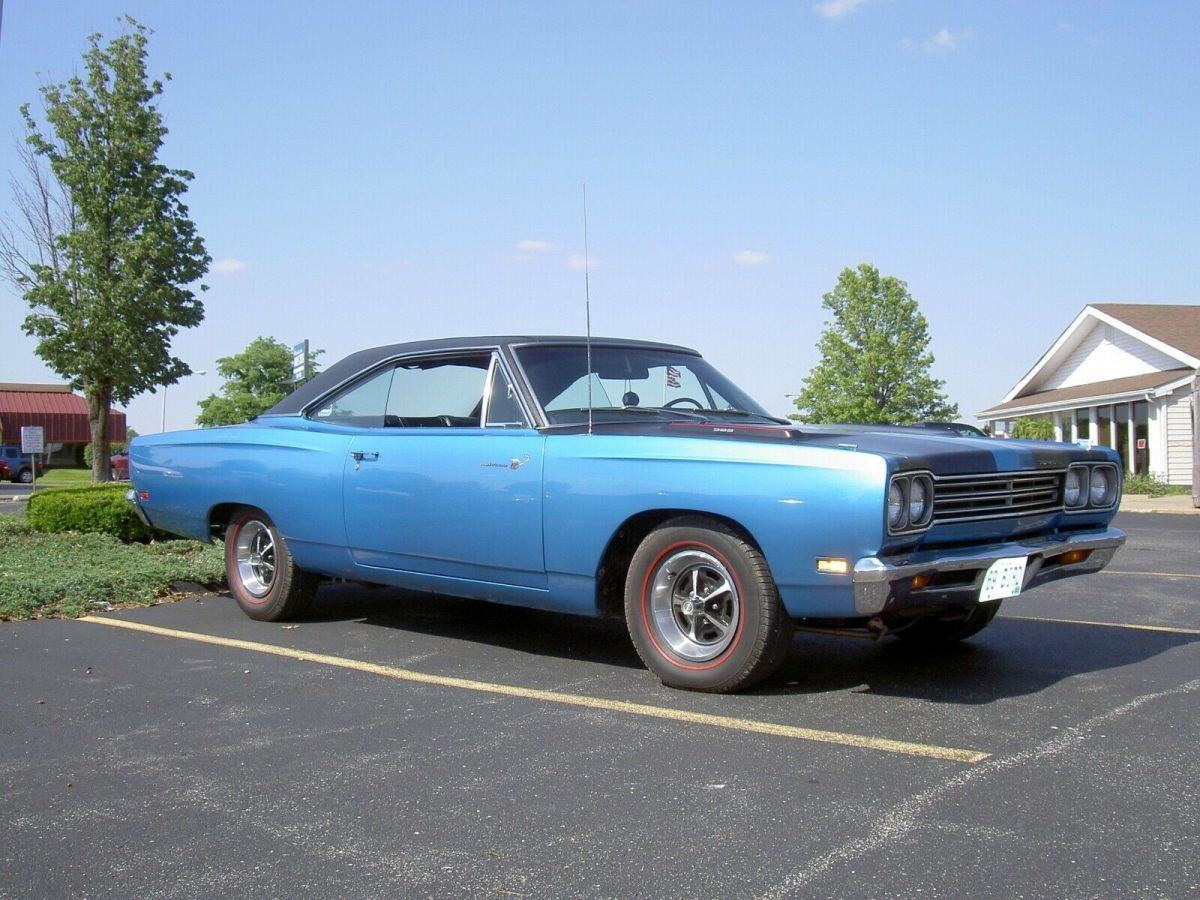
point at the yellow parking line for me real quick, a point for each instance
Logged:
(1163, 628)
(1150, 574)
(622, 706)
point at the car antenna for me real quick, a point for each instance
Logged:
(587, 305)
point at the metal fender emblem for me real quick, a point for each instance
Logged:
(514, 463)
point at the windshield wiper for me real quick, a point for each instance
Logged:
(656, 410)
(746, 414)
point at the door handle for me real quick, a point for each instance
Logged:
(368, 455)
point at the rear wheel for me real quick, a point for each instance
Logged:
(702, 608)
(261, 573)
(25, 476)
(949, 627)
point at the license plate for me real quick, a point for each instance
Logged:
(1003, 579)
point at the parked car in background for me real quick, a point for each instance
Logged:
(20, 465)
(5, 475)
(630, 479)
(119, 465)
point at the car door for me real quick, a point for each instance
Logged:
(446, 482)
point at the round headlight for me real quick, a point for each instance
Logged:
(918, 497)
(1073, 494)
(895, 505)
(1098, 490)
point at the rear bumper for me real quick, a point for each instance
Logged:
(954, 576)
(132, 497)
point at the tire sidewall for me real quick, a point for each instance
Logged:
(674, 670)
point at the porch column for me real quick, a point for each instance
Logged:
(1093, 426)
(1058, 429)
(1131, 443)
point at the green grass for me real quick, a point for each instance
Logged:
(60, 477)
(74, 574)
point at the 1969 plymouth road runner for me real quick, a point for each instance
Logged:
(625, 478)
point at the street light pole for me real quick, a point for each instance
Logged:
(163, 424)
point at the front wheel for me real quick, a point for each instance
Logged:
(702, 608)
(25, 476)
(261, 573)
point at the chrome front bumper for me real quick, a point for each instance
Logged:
(956, 574)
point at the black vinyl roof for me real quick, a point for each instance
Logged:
(346, 369)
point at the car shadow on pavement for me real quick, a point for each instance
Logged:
(516, 628)
(1011, 658)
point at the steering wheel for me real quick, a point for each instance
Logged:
(695, 403)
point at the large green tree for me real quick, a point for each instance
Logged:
(875, 357)
(103, 250)
(255, 380)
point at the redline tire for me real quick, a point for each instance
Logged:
(702, 608)
(259, 569)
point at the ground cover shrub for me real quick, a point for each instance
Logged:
(1153, 485)
(74, 574)
(89, 509)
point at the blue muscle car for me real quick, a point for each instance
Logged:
(625, 477)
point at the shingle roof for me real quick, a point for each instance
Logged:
(1175, 324)
(1098, 389)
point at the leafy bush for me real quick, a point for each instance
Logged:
(73, 574)
(1033, 429)
(1151, 484)
(90, 509)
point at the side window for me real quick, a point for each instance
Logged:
(362, 404)
(503, 408)
(442, 392)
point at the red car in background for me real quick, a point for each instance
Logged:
(119, 465)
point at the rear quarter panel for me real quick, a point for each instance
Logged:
(292, 471)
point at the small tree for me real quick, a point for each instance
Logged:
(255, 380)
(102, 248)
(1033, 429)
(875, 357)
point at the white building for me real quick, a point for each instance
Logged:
(1121, 375)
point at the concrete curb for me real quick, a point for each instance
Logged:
(1176, 504)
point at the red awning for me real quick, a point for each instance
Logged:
(63, 415)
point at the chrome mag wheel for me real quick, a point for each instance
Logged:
(254, 553)
(694, 604)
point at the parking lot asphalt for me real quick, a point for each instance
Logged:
(399, 745)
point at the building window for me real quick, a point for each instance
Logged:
(1141, 437)
(1104, 425)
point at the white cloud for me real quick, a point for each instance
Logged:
(228, 265)
(837, 9)
(579, 261)
(534, 246)
(946, 39)
(750, 257)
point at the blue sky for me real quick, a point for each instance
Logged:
(373, 172)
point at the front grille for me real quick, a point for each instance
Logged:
(966, 498)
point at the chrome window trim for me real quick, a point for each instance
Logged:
(498, 362)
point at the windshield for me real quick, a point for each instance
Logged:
(627, 381)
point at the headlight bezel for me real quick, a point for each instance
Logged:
(899, 513)
(1089, 475)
